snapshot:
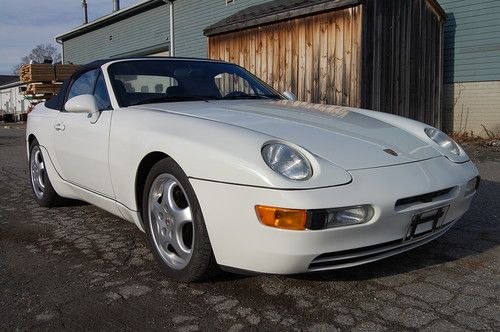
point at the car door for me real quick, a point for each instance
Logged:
(81, 147)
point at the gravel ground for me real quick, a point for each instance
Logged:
(80, 268)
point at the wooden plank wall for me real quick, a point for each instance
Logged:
(402, 59)
(315, 57)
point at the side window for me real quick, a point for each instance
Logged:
(101, 94)
(84, 84)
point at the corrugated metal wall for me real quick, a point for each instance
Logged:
(149, 31)
(146, 30)
(472, 40)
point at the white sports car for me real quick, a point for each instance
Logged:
(220, 170)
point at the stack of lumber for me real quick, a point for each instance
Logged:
(44, 80)
(39, 72)
(43, 88)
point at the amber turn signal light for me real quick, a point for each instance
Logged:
(282, 218)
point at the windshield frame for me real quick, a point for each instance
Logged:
(271, 95)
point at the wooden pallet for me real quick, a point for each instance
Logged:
(38, 72)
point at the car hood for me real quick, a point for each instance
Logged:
(341, 135)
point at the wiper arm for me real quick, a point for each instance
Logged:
(171, 99)
(250, 97)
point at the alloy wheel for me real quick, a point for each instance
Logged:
(37, 169)
(171, 221)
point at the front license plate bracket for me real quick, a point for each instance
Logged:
(431, 217)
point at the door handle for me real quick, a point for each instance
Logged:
(59, 126)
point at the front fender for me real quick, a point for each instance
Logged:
(205, 149)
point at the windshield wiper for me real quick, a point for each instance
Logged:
(250, 97)
(171, 99)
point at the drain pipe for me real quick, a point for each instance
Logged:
(172, 38)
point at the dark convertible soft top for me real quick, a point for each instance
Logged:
(57, 102)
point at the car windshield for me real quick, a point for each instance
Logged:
(137, 82)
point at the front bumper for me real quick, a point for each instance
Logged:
(239, 241)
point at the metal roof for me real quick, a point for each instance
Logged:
(273, 11)
(281, 10)
(7, 79)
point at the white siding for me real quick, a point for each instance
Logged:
(150, 29)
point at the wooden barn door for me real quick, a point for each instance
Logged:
(315, 57)
(403, 59)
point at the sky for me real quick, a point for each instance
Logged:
(27, 23)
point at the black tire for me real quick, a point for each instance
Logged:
(201, 264)
(48, 196)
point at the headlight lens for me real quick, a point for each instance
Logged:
(287, 161)
(355, 215)
(338, 217)
(445, 142)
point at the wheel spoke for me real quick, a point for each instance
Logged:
(167, 200)
(178, 243)
(183, 215)
(40, 181)
(37, 185)
(164, 240)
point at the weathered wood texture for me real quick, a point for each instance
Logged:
(385, 55)
(41, 72)
(316, 57)
(402, 61)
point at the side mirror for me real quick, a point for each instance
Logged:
(84, 104)
(290, 95)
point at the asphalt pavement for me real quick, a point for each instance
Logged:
(80, 268)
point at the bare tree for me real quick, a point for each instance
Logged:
(39, 54)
